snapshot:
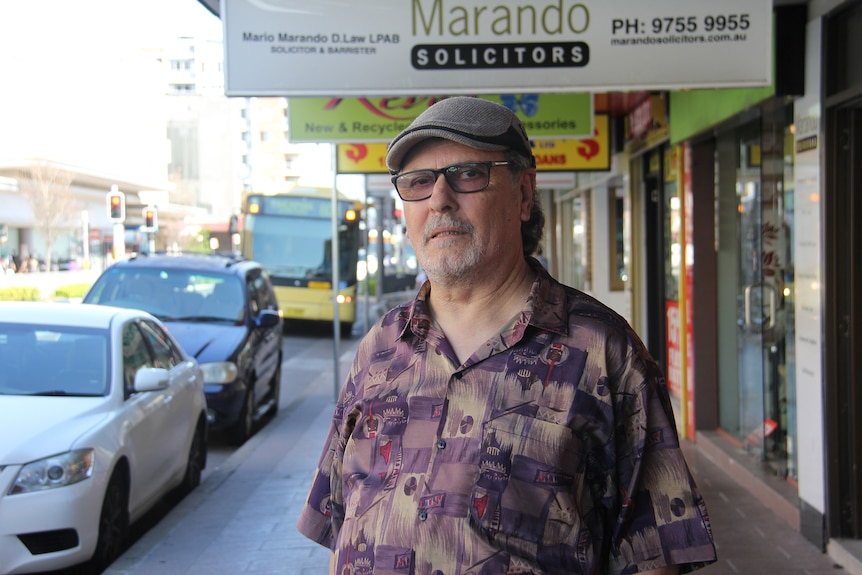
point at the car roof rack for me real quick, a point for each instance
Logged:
(233, 257)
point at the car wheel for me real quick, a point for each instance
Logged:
(244, 425)
(196, 462)
(275, 390)
(113, 526)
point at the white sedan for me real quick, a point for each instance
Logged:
(102, 414)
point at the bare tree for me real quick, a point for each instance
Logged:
(48, 188)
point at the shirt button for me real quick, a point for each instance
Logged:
(441, 444)
(423, 515)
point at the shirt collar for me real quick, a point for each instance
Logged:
(545, 308)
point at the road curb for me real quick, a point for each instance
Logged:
(141, 552)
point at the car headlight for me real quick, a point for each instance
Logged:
(55, 471)
(219, 372)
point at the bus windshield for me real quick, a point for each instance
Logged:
(290, 233)
(296, 247)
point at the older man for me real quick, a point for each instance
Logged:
(500, 422)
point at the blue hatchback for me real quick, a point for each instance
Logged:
(221, 308)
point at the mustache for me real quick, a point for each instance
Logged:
(438, 222)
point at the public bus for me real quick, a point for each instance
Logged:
(290, 233)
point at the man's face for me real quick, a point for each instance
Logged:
(457, 236)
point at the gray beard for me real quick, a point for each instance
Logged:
(452, 268)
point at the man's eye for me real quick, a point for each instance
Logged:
(468, 172)
(420, 181)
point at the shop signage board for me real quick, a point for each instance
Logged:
(568, 155)
(467, 47)
(381, 119)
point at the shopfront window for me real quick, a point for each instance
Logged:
(672, 226)
(580, 241)
(618, 238)
(755, 270)
(672, 206)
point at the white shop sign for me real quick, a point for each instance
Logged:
(440, 47)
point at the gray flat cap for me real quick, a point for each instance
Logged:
(474, 122)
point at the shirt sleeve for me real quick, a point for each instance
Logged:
(662, 519)
(315, 520)
(323, 512)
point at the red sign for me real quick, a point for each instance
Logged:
(640, 119)
(688, 330)
(674, 350)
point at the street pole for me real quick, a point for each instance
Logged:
(85, 239)
(119, 242)
(365, 282)
(334, 245)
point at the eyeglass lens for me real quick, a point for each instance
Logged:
(462, 178)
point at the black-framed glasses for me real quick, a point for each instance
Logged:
(463, 178)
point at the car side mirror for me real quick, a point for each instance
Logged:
(151, 379)
(267, 318)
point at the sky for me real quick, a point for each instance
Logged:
(174, 18)
(81, 88)
(38, 24)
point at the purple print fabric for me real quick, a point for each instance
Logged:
(552, 449)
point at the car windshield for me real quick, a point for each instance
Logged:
(53, 360)
(172, 294)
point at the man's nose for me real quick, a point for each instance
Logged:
(442, 195)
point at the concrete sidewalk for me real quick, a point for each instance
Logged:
(242, 518)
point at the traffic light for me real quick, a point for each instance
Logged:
(150, 219)
(116, 205)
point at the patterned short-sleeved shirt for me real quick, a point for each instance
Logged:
(552, 449)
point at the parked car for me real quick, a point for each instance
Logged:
(222, 309)
(102, 414)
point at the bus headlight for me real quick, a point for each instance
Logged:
(219, 372)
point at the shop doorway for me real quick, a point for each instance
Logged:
(755, 292)
(842, 208)
(654, 213)
(843, 319)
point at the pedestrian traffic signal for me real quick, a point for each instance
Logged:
(150, 219)
(116, 205)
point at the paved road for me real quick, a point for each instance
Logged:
(306, 352)
(243, 517)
